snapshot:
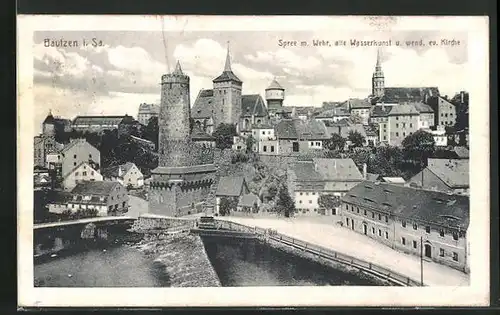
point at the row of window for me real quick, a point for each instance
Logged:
(264, 148)
(84, 173)
(90, 156)
(317, 143)
(307, 194)
(441, 250)
(403, 125)
(428, 230)
(310, 201)
(365, 212)
(446, 114)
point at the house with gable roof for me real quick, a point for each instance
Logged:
(76, 152)
(126, 174)
(82, 172)
(308, 180)
(415, 221)
(232, 188)
(299, 136)
(444, 175)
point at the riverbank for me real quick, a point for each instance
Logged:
(350, 243)
(184, 258)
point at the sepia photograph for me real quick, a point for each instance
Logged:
(304, 164)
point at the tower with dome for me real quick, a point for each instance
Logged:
(275, 95)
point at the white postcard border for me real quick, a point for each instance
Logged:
(477, 294)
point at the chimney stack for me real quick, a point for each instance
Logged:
(462, 96)
(365, 171)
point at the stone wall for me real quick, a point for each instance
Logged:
(147, 223)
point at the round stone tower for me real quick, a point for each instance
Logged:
(275, 95)
(173, 119)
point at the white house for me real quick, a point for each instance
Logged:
(126, 174)
(82, 172)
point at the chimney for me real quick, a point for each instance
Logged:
(462, 96)
(364, 171)
(119, 171)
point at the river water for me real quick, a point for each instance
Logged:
(247, 263)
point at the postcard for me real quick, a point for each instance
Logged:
(253, 161)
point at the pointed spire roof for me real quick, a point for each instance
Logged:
(228, 74)
(178, 69)
(275, 85)
(378, 66)
(49, 119)
(378, 57)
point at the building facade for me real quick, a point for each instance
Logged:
(128, 174)
(81, 173)
(108, 198)
(411, 220)
(360, 109)
(77, 152)
(146, 112)
(445, 113)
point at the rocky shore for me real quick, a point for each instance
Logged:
(183, 256)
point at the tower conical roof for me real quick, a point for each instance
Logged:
(274, 85)
(49, 119)
(228, 74)
(178, 69)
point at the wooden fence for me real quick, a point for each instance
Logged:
(322, 252)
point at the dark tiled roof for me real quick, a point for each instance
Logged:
(403, 109)
(330, 113)
(253, 104)
(60, 197)
(274, 86)
(230, 186)
(412, 204)
(248, 200)
(149, 108)
(407, 94)
(380, 111)
(49, 119)
(454, 172)
(73, 143)
(204, 105)
(422, 108)
(114, 171)
(355, 103)
(98, 120)
(299, 129)
(322, 169)
(227, 76)
(262, 126)
(94, 188)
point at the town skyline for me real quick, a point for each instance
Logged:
(113, 79)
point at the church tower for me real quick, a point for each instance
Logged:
(227, 95)
(181, 183)
(378, 78)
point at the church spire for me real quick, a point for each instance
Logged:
(227, 66)
(178, 69)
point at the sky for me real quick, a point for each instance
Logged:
(115, 77)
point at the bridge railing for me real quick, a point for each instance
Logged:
(319, 251)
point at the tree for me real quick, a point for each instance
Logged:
(285, 205)
(418, 147)
(150, 132)
(250, 141)
(386, 161)
(355, 118)
(357, 139)
(255, 208)
(329, 201)
(224, 136)
(226, 205)
(335, 143)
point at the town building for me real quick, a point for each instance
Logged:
(426, 119)
(108, 198)
(399, 122)
(231, 188)
(128, 174)
(42, 146)
(239, 143)
(248, 203)
(76, 152)
(439, 135)
(445, 113)
(41, 178)
(308, 180)
(226, 104)
(80, 173)
(99, 124)
(333, 115)
(359, 109)
(345, 127)
(146, 112)
(415, 221)
(444, 175)
(299, 136)
(184, 176)
(265, 139)
(275, 95)
(202, 138)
